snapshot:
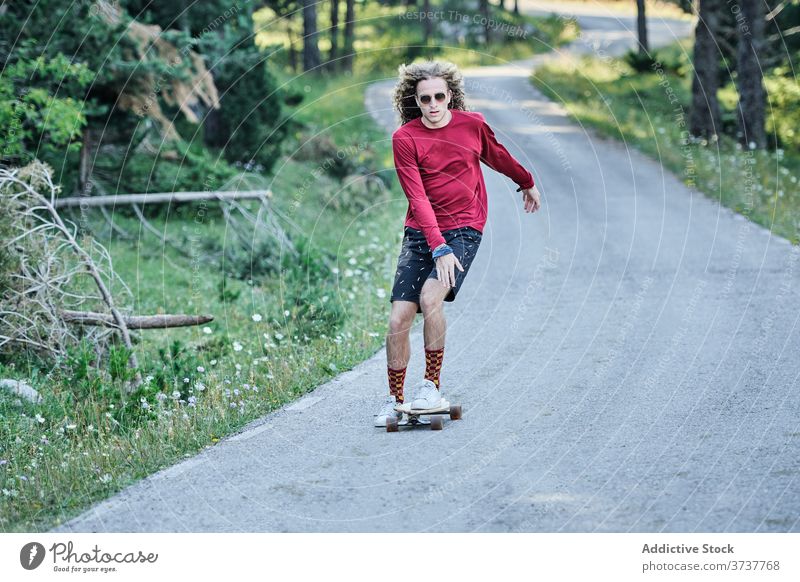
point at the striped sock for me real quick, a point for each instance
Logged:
(433, 365)
(396, 380)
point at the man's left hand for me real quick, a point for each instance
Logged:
(531, 199)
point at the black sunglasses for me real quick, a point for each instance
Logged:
(425, 99)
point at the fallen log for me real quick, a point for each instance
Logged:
(135, 321)
(155, 198)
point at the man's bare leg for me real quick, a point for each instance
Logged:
(398, 345)
(398, 348)
(431, 302)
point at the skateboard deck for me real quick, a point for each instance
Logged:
(413, 416)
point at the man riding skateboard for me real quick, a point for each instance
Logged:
(437, 153)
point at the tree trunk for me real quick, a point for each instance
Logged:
(750, 26)
(214, 128)
(311, 56)
(332, 64)
(427, 23)
(349, 33)
(641, 22)
(159, 197)
(84, 185)
(484, 9)
(161, 321)
(704, 117)
(516, 7)
(292, 50)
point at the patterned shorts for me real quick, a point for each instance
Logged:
(415, 265)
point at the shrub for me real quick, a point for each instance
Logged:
(250, 124)
(640, 62)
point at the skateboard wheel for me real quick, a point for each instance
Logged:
(391, 424)
(437, 423)
(455, 412)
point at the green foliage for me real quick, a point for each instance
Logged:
(118, 364)
(257, 264)
(185, 167)
(640, 62)
(307, 285)
(323, 151)
(9, 263)
(311, 293)
(225, 293)
(37, 115)
(783, 109)
(177, 364)
(80, 360)
(251, 124)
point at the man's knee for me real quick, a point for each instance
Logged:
(430, 300)
(401, 321)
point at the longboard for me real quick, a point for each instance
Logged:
(412, 417)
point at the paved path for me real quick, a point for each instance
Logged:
(626, 358)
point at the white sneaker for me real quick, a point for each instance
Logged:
(386, 411)
(427, 396)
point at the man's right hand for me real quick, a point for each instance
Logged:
(446, 269)
(531, 199)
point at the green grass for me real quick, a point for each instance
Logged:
(88, 442)
(650, 112)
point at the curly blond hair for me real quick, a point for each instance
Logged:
(410, 75)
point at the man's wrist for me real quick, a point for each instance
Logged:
(441, 250)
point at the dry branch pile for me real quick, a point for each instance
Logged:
(46, 267)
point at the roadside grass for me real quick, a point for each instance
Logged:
(272, 339)
(650, 112)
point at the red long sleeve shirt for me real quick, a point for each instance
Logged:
(439, 170)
